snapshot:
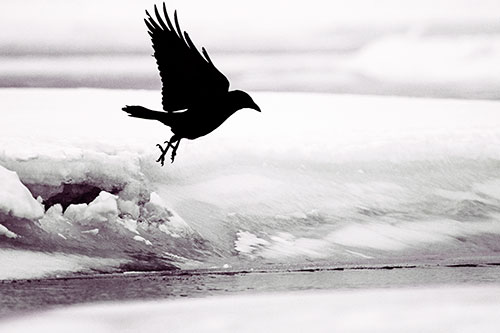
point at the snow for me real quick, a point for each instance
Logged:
(142, 239)
(6, 232)
(94, 231)
(24, 264)
(15, 198)
(430, 309)
(247, 242)
(102, 209)
(256, 188)
(91, 149)
(157, 206)
(385, 236)
(114, 147)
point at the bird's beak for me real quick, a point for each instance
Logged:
(255, 107)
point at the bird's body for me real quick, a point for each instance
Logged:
(196, 94)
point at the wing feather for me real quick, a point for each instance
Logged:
(179, 32)
(158, 17)
(205, 53)
(170, 26)
(152, 22)
(187, 75)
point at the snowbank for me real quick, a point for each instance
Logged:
(452, 309)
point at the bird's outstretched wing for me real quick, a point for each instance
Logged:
(187, 75)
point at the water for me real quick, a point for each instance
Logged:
(32, 295)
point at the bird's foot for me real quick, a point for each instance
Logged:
(161, 159)
(172, 157)
(164, 151)
(174, 151)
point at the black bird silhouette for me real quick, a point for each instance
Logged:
(191, 84)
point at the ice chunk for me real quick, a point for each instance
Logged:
(159, 211)
(142, 239)
(91, 231)
(16, 199)
(129, 224)
(6, 232)
(104, 208)
(128, 207)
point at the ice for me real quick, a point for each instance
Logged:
(247, 242)
(6, 232)
(359, 254)
(104, 208)
(142, 239)
(390, 236)
(16, 199)
(491, 188)
(85, 172)
(280, 186)
(403, 235)
(24, 264)
(156, 203)
(94, 231)
(430, 309)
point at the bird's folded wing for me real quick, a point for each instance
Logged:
(187, 75)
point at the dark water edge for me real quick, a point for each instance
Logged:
(19, 297)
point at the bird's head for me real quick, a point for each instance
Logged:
(242, 100)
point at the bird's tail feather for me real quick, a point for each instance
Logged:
(141, 112)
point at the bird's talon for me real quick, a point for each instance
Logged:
(161, 159)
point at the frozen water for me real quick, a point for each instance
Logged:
(328, 180)
(16, 199)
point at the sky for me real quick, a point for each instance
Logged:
(117, 26)
(436, 48)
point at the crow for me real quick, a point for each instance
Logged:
(195, 94)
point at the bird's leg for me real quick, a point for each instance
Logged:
(174, 150)
(161, 159)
